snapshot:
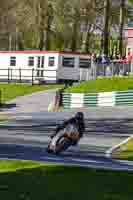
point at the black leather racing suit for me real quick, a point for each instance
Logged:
(72, 121)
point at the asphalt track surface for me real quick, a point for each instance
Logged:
(27, 137)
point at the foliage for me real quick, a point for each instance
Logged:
(60, 24)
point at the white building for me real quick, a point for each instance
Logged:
(48, 66)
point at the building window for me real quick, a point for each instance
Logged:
(68, 62)
(31, 61)
(84, 63)
(51, 61)
(12, 61)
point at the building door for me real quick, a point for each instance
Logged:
(40, 66)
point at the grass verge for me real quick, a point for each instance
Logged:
(10, 91)
(102, 85)
(58, 182)
(5, 118)
(14, 165)
(124, 151)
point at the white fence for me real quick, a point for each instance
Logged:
(27, 75)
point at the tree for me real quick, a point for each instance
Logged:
(88, 21)
(122, 22)
(106, 26)
(56, 24)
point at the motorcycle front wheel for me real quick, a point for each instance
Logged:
(62, 144)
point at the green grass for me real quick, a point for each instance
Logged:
(10, 91)
(5, 118)
(9, 165)
(51, 182)
(124, 151)
(102, 85)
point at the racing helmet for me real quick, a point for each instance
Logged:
(79, 116)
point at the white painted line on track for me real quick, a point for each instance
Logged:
(83, 160)
(70, 158)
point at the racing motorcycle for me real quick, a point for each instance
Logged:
(62, 141)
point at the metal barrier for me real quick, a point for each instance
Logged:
(39, 75)
(112, 69)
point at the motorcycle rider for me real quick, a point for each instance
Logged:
(76, 122)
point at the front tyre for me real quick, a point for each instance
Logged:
(62, 145)
(48, 150)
